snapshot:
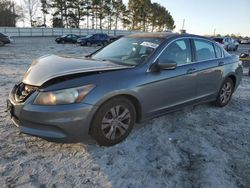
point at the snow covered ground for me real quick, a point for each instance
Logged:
(200, 146)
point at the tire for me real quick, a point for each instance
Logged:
(88, 43)
(109, 129)
(249, 72)
(104, 43)
(1, 43)
(225, 94)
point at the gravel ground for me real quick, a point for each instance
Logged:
(200, 146)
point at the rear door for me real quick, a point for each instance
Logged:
(209, 67)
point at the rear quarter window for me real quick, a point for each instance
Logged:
(204, 50)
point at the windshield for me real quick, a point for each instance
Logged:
(129, 51)
(88, 36)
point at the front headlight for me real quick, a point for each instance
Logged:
(65, 96)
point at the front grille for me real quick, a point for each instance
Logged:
(22, 91)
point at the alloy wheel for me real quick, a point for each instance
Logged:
(115, 122)
(226, 92)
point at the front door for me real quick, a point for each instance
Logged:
(171, 88)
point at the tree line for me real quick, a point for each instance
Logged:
(8, 15)
(93, 14)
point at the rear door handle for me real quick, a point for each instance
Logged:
(191, 70)
(221, 63)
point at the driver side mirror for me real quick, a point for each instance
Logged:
(163, 65)
(166, 64)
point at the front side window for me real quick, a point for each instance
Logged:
(69, 36)
(178, 51)
(204, 50)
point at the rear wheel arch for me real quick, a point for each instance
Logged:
(233, 78)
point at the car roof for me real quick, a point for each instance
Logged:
(153, 35)
(166, 35)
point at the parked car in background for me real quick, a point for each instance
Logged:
(228, 43)
(115, 37)
(245, 41)
(69, 38)
(4, 39)
(97, 39)
(135, 78)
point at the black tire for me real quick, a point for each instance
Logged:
(109, 130)
(225, 94)
(88, 43)
(105, 43)
(1, 43)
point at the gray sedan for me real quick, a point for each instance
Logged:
(136, 78)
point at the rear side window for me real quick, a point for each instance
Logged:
(218, 51)
(204, 50)
(178, 51)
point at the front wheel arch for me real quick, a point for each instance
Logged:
(131, 98)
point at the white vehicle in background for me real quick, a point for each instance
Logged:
(228, 43)
(245, 41)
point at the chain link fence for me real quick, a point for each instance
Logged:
(50, 32)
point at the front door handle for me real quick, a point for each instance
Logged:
(221, 63)
(191, 70)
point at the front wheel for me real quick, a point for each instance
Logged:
(225, 93)
(113, 121)
(1, 43)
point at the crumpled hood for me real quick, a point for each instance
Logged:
(52, 66)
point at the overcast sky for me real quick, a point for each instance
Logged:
(205, 16)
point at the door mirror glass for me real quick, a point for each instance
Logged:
(166, 64)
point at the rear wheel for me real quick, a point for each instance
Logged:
(225, 93)
(104, 43)
(88, 43)
(113, 121)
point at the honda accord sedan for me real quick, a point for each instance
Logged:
(136, 78)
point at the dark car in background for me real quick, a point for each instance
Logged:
(4, 39)
(69, 38)
(115, 37)
(96, 39)
(135, 78)
(228, 43)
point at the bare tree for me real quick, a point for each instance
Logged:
(31, 6)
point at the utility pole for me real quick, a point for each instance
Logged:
(182, 29)
(214, 31)
(183, 24)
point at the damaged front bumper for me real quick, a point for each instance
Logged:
(68, 123)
